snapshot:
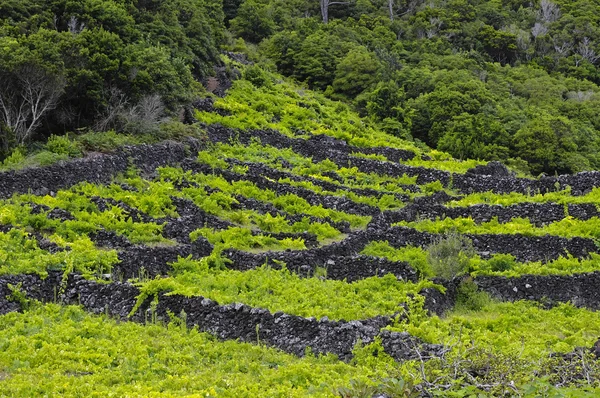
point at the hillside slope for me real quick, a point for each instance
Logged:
(309, 253)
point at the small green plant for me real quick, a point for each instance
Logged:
(320, 272)
(17, 295)
(399, 387)
(357, 389)
(16, 157)
(62, 145)
(257, 76)
(450, 255)
(502, 262)
(432, 187)
(469, 298)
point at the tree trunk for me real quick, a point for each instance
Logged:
(325, 10)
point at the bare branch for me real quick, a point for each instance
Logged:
(74, 26)
(26, 95)
(548, 12)
(585, 49)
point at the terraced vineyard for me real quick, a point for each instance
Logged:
(289, 251)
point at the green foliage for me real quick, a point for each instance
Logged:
(17, 295)
(449, 256)
(282, 290)
(468, 297)
(257, 76)
(356, 72)
(415, 256)
(105, 141)
(15, 159)
(567, 227)
(62, 145)
(78, 353)
(484, 80)
(20, 254)
(501, 262)
(103, 57)
(254, 20)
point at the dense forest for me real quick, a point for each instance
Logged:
(507, 80)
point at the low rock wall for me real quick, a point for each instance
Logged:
(289, 333)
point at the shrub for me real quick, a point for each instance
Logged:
(16, 157)
(469, 298)
(257, 76)
(105, 141)
(450, 255)
(502, 262)
(62, 145)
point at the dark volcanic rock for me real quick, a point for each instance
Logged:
(493, 169)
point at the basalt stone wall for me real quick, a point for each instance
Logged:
(36, 288)
(437, 302)
(155, 260)
(470, 183)
(290, 333)
(580, 183)
(115, 299)
(191, 217)
(524, 248)
(43, 180)
(305, 263)
(93, 168)
(109, 240)
(579, 289)
(537, 213)
(533, 248)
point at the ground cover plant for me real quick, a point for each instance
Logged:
(256, 240)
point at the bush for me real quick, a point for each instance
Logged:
(105, 141)
(502, 262)
(257, 76)
(450, 256)
(62, 145)
(469, 298)
(174, 130)
(16, 158)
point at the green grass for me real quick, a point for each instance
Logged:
(54, 350)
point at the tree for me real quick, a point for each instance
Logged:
(254, 21)
(317, 59)
(325, 8)
(547, 143)
(26, 95)
(356, 72)
(479, 136)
